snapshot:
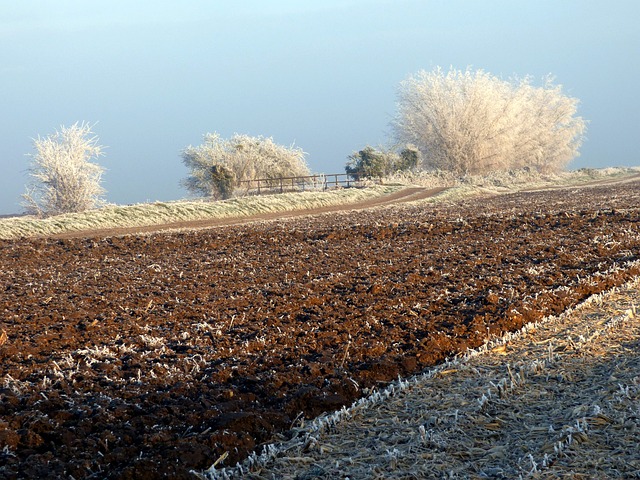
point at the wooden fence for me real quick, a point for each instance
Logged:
(297, 184)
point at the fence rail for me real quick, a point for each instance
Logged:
(309, 182)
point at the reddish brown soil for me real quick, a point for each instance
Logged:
(147, 356)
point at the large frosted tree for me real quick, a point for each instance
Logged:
(471, 122)
(63, 177)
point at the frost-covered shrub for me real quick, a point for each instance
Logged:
(408, 159)
(372, 163)
(473, 122)
(63, 179)
(243, 157)
(367, 163)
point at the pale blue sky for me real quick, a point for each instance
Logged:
(157, 75)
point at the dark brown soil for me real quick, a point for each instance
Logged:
(140, 357)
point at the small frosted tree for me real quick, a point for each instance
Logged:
(408, 159)
(372, 163)
(474, 123)
(241, 157)
(368, 163)
(63, 178)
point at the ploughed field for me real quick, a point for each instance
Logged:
(153, 355)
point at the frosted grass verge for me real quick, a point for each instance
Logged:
(140, 215)
(499, 183)
(512, 181)
(308, 435)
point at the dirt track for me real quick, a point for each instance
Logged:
(147, 356)
(402, 196)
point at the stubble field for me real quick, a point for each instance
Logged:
(152, 355)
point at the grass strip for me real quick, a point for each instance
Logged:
(123, 216)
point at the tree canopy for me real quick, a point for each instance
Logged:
(473, 122)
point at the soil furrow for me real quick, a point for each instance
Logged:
(147, 356)
(558, 400)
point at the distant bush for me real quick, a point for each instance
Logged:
(218, 166)
(372, 163)
(409, 159)
(63, 179)
(474, 123)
